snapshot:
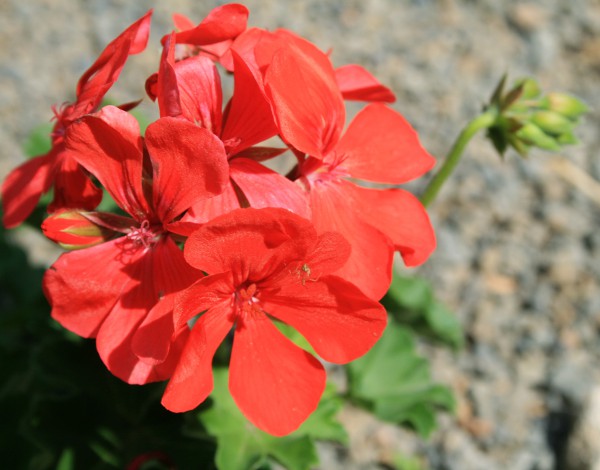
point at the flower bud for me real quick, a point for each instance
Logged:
(72, 230)
(568, 138)
(552, 123)
(526, 119)
(532, 135)
(566, 105)
(530, 88)
(521, 147)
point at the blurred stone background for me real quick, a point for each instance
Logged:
(518, 255)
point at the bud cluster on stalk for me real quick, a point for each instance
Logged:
(526, 118)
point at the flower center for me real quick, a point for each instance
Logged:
(143, 235)
(246, 304)
(231, 144)
(314, 171)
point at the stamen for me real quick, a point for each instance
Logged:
(232, 143)
(329, 169)
(246, 303)
(142, 235)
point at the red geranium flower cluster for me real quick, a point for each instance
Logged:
(312, 248)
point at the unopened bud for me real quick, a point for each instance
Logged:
(521, 147)
(566, 105)
(568, 138)
(531, 89)
(525, 118)
(72, 230)
(532, 135)
(552, 123)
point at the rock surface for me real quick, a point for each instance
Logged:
(518, 255)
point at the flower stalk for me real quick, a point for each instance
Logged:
(521, 118)
(481, 122)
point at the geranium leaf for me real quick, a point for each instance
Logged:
(240, 445)
(444, 324)
(322, 424)
(395, 383)
(412, 302)
(292, 334)
(412, 293)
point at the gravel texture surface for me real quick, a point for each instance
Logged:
(518, 255)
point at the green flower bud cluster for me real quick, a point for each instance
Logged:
(525, 118)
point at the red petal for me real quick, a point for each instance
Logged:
(192, 380)
(182, 22)
(151, 340)
(224, 22)
(114, 343)
(114, 338)
(337, 319)
(23, 187)
(381, 146)
(200, 92)
(189, 164)
(264, 187)
(171, 275)
(329, 254)
(370, 263)
(161, 271)
(167, 89)
(399, 215)
(251, 243)
(108, 144)
(276, 384)
(245, 46)
(84, 286)
(202, 296)
(249, 118)
(165, 356)
(73, 188)
(98, 79)
(222, 53)
(356, 83)
(306, 100)
(218, 51)
(207, 209)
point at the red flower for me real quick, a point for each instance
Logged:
(379, 146)
(263, 264)
(107, 291)
(191, 89)
(23, 187)
(214, 35)
(357, 84)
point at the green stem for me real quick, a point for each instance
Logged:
(483, 121)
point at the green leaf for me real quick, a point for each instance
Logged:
(66, 461)
(444, 324)
(294, 336)
(395, 383)
(411, 301)
(241, 445)
(322, 424)
(39, 141)
(411, 293)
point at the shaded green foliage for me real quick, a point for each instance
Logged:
(395, 383)
(60, 407)
(411, 301)
(241, 446)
